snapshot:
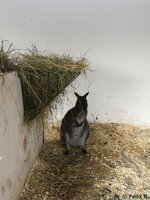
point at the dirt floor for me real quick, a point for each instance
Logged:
(117, 167)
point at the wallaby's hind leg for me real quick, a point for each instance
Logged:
(67, 145)
(83, 141)
(67, 149)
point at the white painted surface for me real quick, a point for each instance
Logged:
(114, 96)
(19, 142)
(114, 34)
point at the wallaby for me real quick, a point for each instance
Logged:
(74, 126)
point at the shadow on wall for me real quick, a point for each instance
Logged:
(106, 85)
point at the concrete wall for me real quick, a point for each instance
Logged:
(119, 95)
(19, 142)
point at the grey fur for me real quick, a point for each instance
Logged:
(74, 126)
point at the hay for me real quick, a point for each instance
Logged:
(117, 165)
(6, 60)
(43, 77)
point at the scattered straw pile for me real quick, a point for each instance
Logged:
(118, 166)
(43, 77)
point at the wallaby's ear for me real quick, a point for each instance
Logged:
(86, 94)
(77, 95)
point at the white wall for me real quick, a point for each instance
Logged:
(19, 142)
(114, 96)
(114, 35)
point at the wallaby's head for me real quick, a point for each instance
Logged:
(81, 101)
